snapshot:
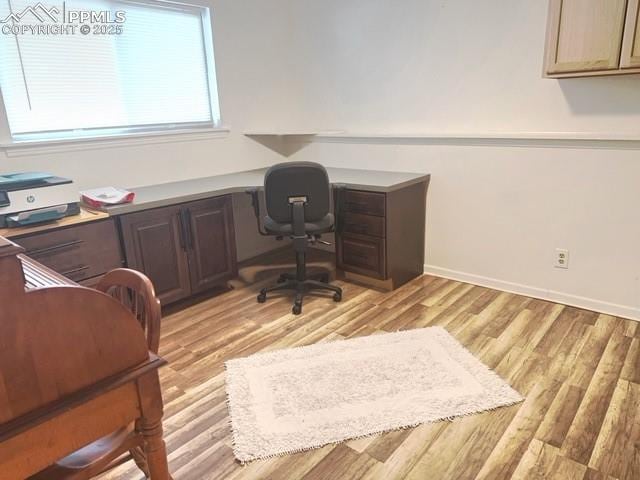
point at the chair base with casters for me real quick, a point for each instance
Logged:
(297, 197)
(301, 284)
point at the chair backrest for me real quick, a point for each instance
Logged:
(135, 291)
(285, 182)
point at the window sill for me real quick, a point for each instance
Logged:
(35, 147)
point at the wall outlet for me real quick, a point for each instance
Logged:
(562, 258)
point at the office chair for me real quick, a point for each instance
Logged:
(297, 198)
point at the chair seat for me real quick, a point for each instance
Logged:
(320, 226)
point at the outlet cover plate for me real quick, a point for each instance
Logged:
(561, 258)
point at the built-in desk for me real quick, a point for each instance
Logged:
(181, 234)
(165, 194)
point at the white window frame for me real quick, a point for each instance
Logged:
(28, 143)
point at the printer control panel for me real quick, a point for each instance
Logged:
(4, 199)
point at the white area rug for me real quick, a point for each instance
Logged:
(292, 400)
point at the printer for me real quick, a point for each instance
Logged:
(29, 198)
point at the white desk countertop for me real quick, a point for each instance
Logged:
(161, 195)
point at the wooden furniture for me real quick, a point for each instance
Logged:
(154, 244)
(184, 249)
(592, 37)
(74, 367)
(133, 290)
(82, 252)
(381, 235)
(37, 275)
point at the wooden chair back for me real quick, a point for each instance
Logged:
(135, 291)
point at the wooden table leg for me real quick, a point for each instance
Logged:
(155, 450)
(150, 425)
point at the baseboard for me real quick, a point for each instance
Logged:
(624, 311)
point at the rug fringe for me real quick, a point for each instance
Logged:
(367, 435)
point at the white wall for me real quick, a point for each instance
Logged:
(496, 212)
(251, 41)
(443, 66)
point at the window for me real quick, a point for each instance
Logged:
(104, 67)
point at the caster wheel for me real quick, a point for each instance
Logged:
(262, 297)
(297, 309)
(337, 297)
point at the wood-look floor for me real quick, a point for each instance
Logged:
(579, 371)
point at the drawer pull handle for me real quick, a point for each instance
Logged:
(357, 204)
(186, 237)
(53, 248)
(359, 227)
(75, 270)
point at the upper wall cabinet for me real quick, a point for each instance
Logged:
(592, 37)
(631, 42)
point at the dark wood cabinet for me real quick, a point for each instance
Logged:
(155, 245)
(212, 252)
(381, 236)
(184, 249)
(82, 253)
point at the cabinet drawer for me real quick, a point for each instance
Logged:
(78, 252)
(362, 254)
(363, 224)
(367, 203)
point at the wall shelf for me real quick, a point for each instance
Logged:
(287, 142)
(291, 133)
(523, 139)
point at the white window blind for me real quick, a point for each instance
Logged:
(157, 74)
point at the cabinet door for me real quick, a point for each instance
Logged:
(631, 42)
(212, 252)
(584, 35)
(155, 245)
